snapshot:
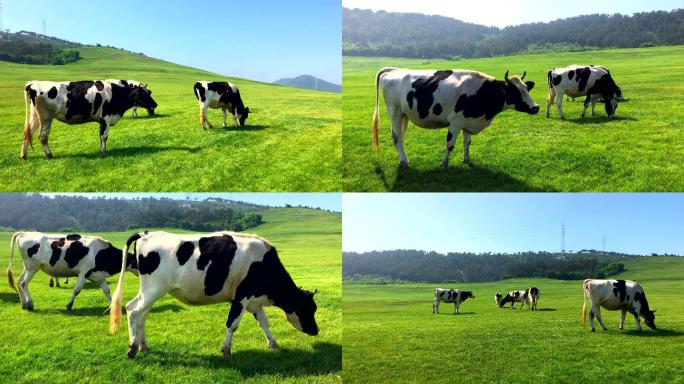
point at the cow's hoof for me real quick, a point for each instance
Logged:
(272, 344)
(51, 284)
(404, 164)
(144, 349)
(444, 166)
(104, 154)
(225, 354)
(132, 350)
(69, 306)
(49, 156)
(593, 330)
(106, 311)
(22, 157)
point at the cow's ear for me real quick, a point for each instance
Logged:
(150, 92)
(530, 85)
(523, 75)
(653, 311)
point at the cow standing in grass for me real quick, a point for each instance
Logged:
(533, 294)
(515, 297)
(89, 258)
(77, 102)
(459, 100)
(455, 296)
(201, 269)
(220, 94)
(595, 83)
(623, 295)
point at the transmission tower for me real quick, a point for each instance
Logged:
(604, 244)
(1, 26)
(563, 238)
(44, 28)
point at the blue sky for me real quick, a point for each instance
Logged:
(503, 13)
(257, 39)
(330, 201)
(479, 222)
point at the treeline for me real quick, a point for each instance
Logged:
(413, 35)
(74, 213)
(421, 266)
(31, 48)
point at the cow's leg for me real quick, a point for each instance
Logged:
(44, 135)
(203, 116)
(137, 314)
(559, 104)
(77, 289)
(591, 318)
(622, 319)
(131, 326)
(105, 289)
(593, 105)
(398, 129)
(590, 99)
(142, 337)
(235, 119)
(260, 316)
(452, 135)
(455, 308)
(22, 295)
(225, 113)
(598, 317)
(637, 320)
(134, 112)
(466, 146)
(549, 100)
(104, 133)
(435, 306)
(234, 316)
(24, 284)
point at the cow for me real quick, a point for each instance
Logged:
(202, 269)
(533, 294)
(220, 94)
(450, 296)
(88, 257)
(77, 102)
(134, 83)
(515, 297)
(497, 299)
(613, 295)
(594, 82)
(459, 100)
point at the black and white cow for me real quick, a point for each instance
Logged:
(595, 83)
(220, 94)
(77, 102)
(533, 294)
(613, 295)
(139, 103)
(89, 258)
(461, 100)
(515, 297)
(450, 296)
(201, 269)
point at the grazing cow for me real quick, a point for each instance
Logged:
(613, 295)
(55, 282)
(220, 94)
(450, 296)
(77, 102)
(497, 299)
(134, 83)
(201, 269)
(595, 83)
(533, 294)
(515, 297)
(89, 258)
(461, 100)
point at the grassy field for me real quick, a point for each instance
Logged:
(52, 344)
(390, 334)
(641, 149)
(290, 143)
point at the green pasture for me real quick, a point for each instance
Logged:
(391, 336)
(51, 344)
(640, 149)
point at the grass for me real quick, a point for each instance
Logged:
(641, 149)
(390, 334)
(290, 143)
(185, 341)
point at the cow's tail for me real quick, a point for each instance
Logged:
(196, 90)
(115, 308)
(548, 79)
(10, 276)
(585, 295)
(376, 114)
(28, 138)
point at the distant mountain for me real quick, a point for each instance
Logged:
(310, 82)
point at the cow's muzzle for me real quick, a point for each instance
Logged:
(150, 111)
(534, 110)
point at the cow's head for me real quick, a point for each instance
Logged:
(466, 295)
(518, 94)
(302, 317)
(649, 317)
(242, 114)
(142, 97)
(497, 299)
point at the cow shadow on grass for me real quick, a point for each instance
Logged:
(326, 358)
(129, 152)
(146, 116)
(546, 310)
(660, 332)
(245, 128)
(100, 311)
(9, 297)
(599, 119)
(457, 178)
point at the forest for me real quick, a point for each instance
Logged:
(32, 48)
(19, 211)
(413, 35)
(382, 267)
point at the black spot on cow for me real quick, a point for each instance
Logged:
(125, 83)
(582, 78)
(534, 291)
(224, 91)
(97, 102)
(217, 253)
(184, 252)
(557, 80)
(488, 101)
(571, 74)
(32, 94)
(409, 99)
(437, 109)
(75, 253)
(464, 295)
(423, 90)
(73, 237)
(123, 98)
(199, 92)
(52, 93)
(620, 288)
(99, 86)
(56, 247)
(32, 250)
(109, 260)
(78, 107)
(449, 136)
(148, 264)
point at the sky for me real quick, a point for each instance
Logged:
(508, 222)
(504, 13)
(329, 201)
(261, 40)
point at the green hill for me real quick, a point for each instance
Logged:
(290, 143)
(185, 341)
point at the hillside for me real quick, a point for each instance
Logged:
(291, 141)
(310, 82)
(392, 34)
